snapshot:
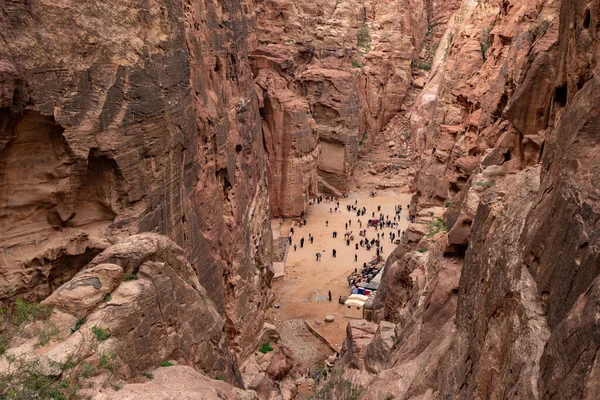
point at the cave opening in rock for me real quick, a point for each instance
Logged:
(34, 160)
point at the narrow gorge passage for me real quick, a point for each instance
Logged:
(156, 155)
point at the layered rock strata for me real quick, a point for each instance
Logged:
(118, 119)
(493, 289)
(348, 65)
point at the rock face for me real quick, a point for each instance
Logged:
(291, 140)
(175, 383)
(347, 66)
(501, 300)
(136, 305)
(124, 119)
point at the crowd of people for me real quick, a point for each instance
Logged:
(370, 238)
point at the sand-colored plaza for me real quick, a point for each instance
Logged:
(304, 290)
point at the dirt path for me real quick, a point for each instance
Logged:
(303, 293)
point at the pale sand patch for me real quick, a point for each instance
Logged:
(307, 280)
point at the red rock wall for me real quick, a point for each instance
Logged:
(516, 141)
(350, 62)
(119, 118)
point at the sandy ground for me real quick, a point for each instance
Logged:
(303, 292)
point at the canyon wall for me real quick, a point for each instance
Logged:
(119, 118)
(493, 292)
(332, 70)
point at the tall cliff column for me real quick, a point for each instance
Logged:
(119, 118)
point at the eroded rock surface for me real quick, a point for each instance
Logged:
(140, 302)
(347, 66)
(118, 119)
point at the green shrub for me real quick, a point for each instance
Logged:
(424, 66)
(107, 298)
(46, 335)
(78, 325)
(109, 361)
(364, 38)
(27, 312)
(485, 183)
(356, 64)
(484, 42)
(130, 277)
(86, 370)
(100, 333)
(148, 375)
(435, 227)
(265, 348)
(24, 380)
(166, 364)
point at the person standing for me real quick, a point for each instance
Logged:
(311, 239)
(329, 293)
(355, 257)
(302, 242)
(295, 247)
(334, 252)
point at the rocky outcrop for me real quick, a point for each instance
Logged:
(135, 306)
(128, 119)
(350, 63)
(291, 139)
(510, 154)
(174, 383)
(490, 86)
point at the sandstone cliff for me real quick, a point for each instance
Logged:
(334, 70)
(493, 291)
(119, 118)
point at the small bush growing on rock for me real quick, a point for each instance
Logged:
(265, 348)
(484, 42)
(130, 277)
(26, 312)
(364, 38)
(424, 66)
(166, 364)
(24, 379)
(86, 370)
(107, 298)
(46, 335)
(356, 64)
(435, 227)
(109, 361)
(148, 375)
(485, 183)
(78, 325)
(100, 333)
